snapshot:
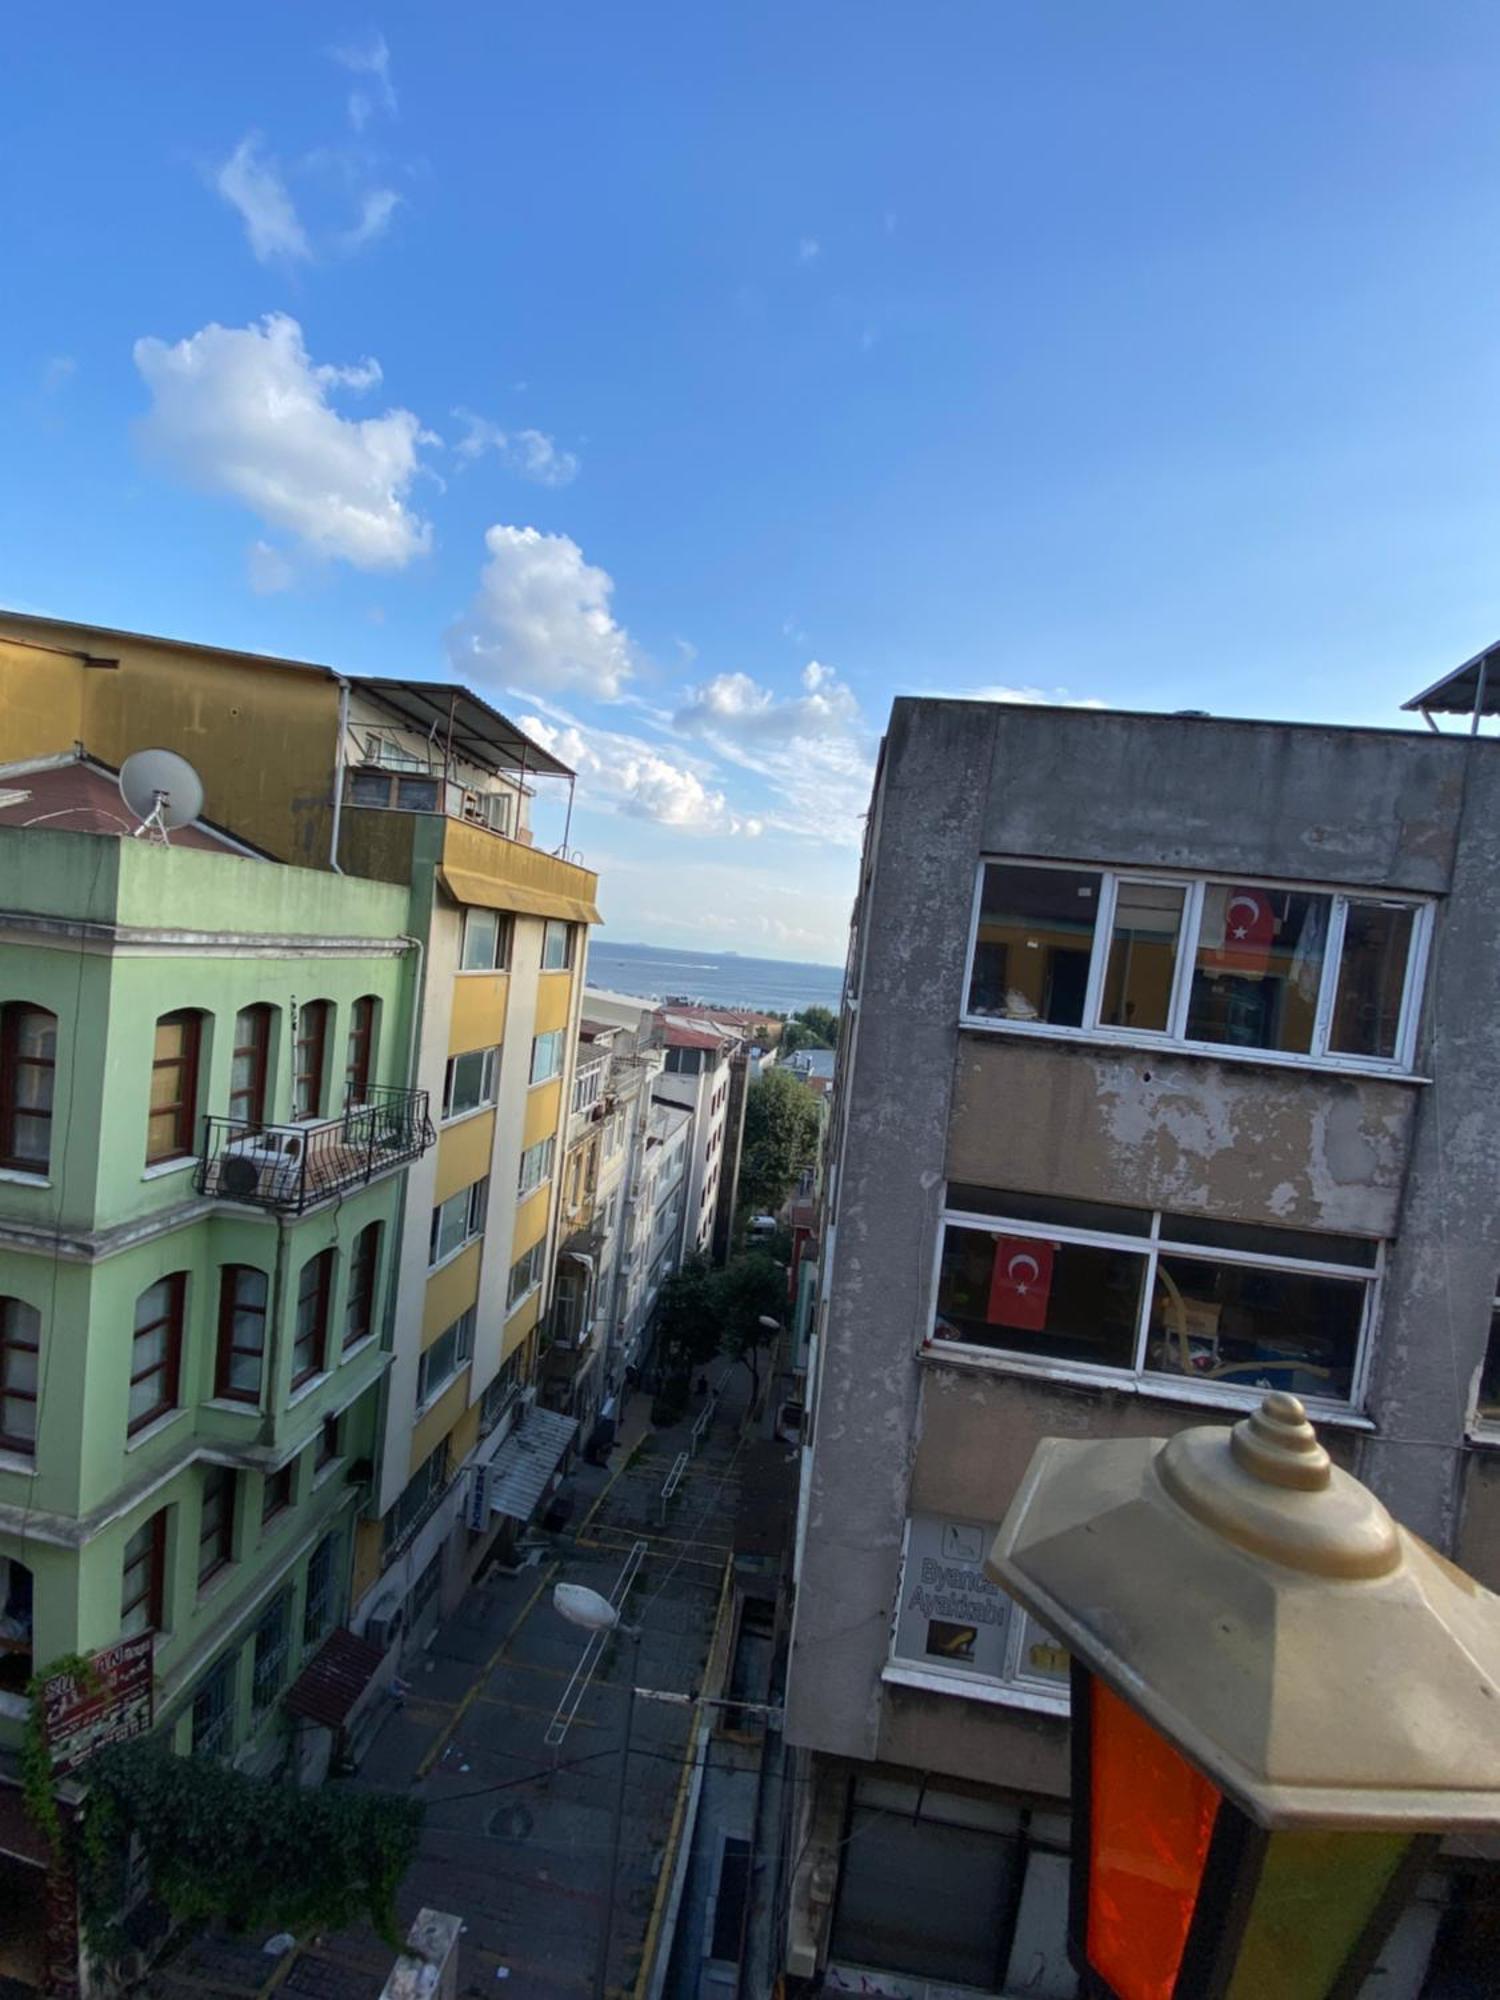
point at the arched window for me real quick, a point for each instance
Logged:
(310, 1340)
(20, 1357)
(364, 1270)
(156, 1351)
(359, 1060)
(308, 1058)
(28, 1063)
(174, 1087)
(251, 1064)
(242, 1333)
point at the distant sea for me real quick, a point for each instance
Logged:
(719, 978)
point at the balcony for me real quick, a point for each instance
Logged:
(290, 1168)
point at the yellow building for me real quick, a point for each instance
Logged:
(426, 785)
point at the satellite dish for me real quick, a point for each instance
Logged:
(161, 789)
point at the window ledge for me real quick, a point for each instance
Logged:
(160, 1169)
(463, 1117)
(512, 1310)
(1201, 1395)
(896, 1674)
(308, 1388)
(537, 1085)
(479, 971)
(155, 1428)
(357, 1347)
(526, 1193)
(323, 1473)
(213, 1583)
(1161, 1045)
(1483, 1431)
(25, 1463)
(19, 1179)
(443, 1262)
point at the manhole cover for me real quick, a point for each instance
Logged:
(510, 1823)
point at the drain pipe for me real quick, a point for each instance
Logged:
(416, 1011)
(338, 777)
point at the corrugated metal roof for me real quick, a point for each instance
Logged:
(334, 1679)
(1456, 693)
(520, 1469)
(479, 732)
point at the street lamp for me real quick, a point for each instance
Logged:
(1281, 1699)
(592, 1612)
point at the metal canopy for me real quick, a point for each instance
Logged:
(478, 732)
(1472, 689)
(521, 1468)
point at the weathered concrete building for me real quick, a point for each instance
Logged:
(1170, 1070)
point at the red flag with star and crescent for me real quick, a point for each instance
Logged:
(1020, 1283)
(1249, 931)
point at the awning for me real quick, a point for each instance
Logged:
(520, 1469)
(334, 1679)
(1473, 686)
(464, 885)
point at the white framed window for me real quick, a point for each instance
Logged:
(1285, 972)
(557, 946)
(952, 1621)
(440, 1362)
(536, 1166)
(547, 1056)
(588, 1086)
(526, 1274)
(486, 941)
(470, 1081)
(457, 1221)
(1221, 1309)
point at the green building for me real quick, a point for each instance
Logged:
(205, 1124)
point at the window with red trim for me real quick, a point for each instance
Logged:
(174, 1087)
(156, 1351)
(28, 1068)
(364, 1268)
(250, 1064)
(242, 1333)
(359, 1056)
(143, 1578)
(215, 1522)
(310, 1342)
(20, 1357)
(276, 1495)
(308, 1054)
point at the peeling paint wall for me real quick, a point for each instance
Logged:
(1415, 1161)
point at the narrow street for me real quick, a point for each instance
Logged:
(518, 1837)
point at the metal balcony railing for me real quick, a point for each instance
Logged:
(291, 1167)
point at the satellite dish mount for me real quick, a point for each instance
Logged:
(162, 790)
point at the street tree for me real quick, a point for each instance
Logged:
(781, 1138)
(751, 1287)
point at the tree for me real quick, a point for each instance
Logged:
(782, 1122)
(750, 1288)
(687, 1334)
(823, 1022)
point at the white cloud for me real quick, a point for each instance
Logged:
(809, 250)
(1057, 697)
(377, 206)
(268, 569)
(622, 774)
(243, 411)
(531, 453)
(252, 184)
(542, 616)
(813, 749)
(370, 59)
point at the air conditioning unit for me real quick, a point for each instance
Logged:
(264, 1163)
(384, 1625)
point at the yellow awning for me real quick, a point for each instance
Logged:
(530, 900)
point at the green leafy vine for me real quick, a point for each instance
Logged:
(37, 1786)
(248, 1851)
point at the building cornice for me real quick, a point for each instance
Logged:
(162, 940)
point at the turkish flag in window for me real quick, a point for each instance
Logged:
(1020, 1283)
(1249, 930)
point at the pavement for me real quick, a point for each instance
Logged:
(519, 1836)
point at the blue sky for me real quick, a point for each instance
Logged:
(692, 379)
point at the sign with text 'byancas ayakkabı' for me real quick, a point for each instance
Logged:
(115, 1701)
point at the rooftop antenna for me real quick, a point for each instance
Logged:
(162, 790)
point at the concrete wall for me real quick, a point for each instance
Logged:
(920, 1101)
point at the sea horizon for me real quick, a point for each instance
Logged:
(713, 978)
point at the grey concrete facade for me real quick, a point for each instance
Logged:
(1409, 1161)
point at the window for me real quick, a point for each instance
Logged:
(143, 1578)
(441, 1361)
(470, 1081)
(370, 786)
(308, 1052)
(485, 946)
(272, 1635)
(28, 1065)
(156, 1351)
(951, 1619)
(458, 1220)
(20, 1356)
(526, 1274)
(215, 1522)
(418, 1497)
(242, 1332)
(213, 1709)
(547, 1056)
(1291, 973)
(1229, 1306)
(310, 1340)
(364, 1269)
(322, 1590)
(730, 1904)
(1487, 1407)
(250, 1065)
(328, 1442)
(536, 1166)
(588, 1085)
(174, 1088)
(359, 1049)
(505, 1388)
(557, 946)
(276, 1496)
